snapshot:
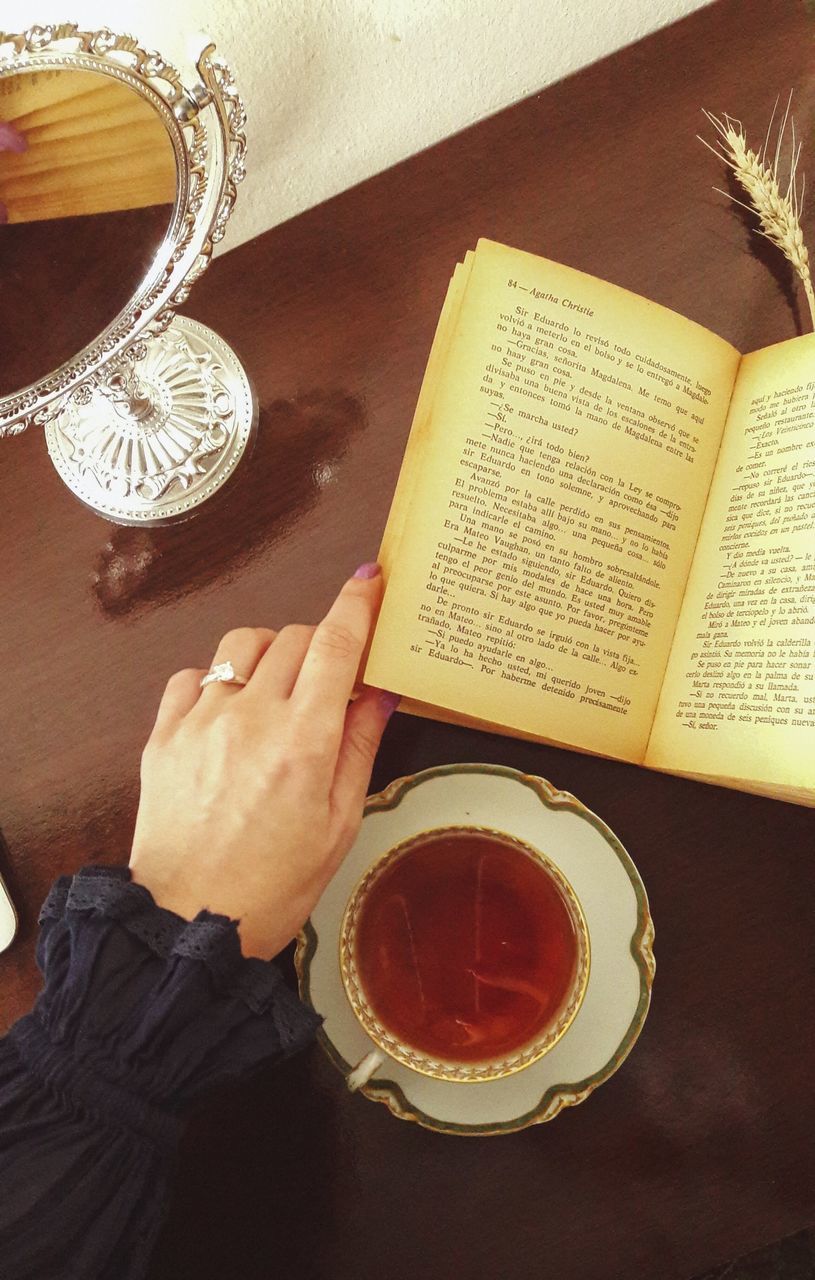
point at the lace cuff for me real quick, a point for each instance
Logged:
(142, 1011)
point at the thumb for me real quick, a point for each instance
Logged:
(365, 723)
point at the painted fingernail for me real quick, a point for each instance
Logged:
(11, 139)
(389, 701)
(370, 570)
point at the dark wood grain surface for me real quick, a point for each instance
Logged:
(700, 1149)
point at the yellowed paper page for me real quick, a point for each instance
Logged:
(739, 693)
(412, 460)
(566, 449)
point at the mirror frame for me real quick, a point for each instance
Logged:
(206, 126)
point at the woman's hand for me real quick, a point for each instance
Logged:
(252, 796)
(10, 140)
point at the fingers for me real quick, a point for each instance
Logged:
(180, 696)
(329, 671)
(11, 139)
(313, 668)
(365, 723)
(276, 674)
(243, 647)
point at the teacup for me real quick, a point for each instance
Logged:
(465, 955)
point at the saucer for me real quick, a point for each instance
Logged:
(615, 905)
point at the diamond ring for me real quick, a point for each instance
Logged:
(222, 673)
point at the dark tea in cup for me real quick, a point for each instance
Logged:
(465, 947)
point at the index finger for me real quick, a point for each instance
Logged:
(329, 671)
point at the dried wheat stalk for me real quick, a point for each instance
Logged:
(778, 211)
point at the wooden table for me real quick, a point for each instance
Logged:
(700, 1148)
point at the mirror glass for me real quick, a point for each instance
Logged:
(87, 189)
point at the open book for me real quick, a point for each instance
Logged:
(603, 535)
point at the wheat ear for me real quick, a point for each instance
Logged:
(778, 211)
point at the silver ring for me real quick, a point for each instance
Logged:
(222, 673)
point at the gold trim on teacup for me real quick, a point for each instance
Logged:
(558, 1095)
(445, 1069)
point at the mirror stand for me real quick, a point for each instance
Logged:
(152, 414)
(157, 431)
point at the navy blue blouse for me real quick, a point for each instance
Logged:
(141, 1012)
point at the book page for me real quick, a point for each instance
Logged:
(411, 462)
(739, 693)
(557, 475)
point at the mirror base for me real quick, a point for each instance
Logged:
(158, 431)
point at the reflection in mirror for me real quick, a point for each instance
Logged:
(88, 202)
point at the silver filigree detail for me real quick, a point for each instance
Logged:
(163, 428)
(201, 210)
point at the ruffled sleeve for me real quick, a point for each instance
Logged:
(141, 1013)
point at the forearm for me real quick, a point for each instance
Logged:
(82, 1193)
(141, 1013)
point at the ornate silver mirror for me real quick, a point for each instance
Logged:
(116, 180)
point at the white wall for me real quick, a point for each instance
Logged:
(337, 90)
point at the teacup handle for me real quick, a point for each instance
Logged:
(364, 1069)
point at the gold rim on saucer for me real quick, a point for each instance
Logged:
(563, 1088)
(426, 1064)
